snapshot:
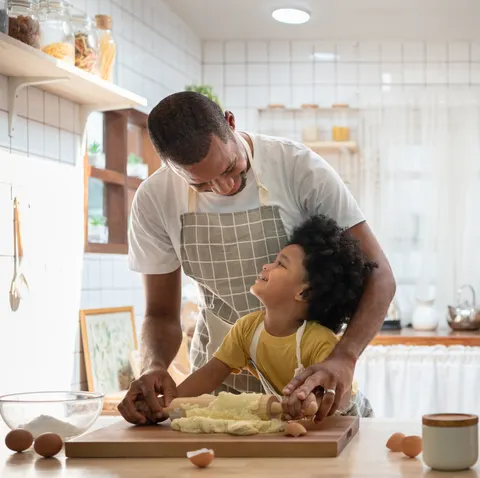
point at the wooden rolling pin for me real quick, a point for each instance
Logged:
(269, 406)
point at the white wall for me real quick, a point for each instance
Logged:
(251, 74)
(40, 345)
(248, 75)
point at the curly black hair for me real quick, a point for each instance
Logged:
(336, 271)
(181, 127)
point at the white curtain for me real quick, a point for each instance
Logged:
(421, 192)
(406, 382)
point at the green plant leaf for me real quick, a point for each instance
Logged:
(205, 90)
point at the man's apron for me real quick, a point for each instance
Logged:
(224, 253)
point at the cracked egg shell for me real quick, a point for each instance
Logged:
(201, 458)
(295, 429)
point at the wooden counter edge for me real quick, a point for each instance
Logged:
(469, 340)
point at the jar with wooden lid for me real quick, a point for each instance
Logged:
(86, 43)
(450, 441)
(56, 30)
(107, 46)
(23, 22)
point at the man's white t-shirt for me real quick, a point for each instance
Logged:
(299, 182)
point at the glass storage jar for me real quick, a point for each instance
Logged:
(86, 43)
(340, 129)
(56, 31)
(23, 23)
(3, 17)
(107, 44)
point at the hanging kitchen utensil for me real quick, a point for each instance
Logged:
(465, 315)
(19, 285)
(14, 294)
(23, 287)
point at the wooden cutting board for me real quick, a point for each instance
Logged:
(122, 440)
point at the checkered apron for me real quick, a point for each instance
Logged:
(269, 388)
(223, 253)
(359, 405)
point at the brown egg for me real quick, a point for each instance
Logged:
(19, 440)
(394, 443)
(48, 444)
(295, 429)
(412, 446)
(201, 458)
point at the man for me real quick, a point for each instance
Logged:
(221, 207)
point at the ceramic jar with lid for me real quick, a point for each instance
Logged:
(23, 22)
(450, 441)
(56, 30)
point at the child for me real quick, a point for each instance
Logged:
(309, 292)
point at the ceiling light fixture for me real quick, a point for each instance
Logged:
(293, 16)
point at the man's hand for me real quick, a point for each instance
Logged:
(147, 388)
(334, 374)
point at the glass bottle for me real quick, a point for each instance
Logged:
(56, 30)
(108, 46)
(3, 17)
(86, 43)
(23, 23)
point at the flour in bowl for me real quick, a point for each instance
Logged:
(45, 423)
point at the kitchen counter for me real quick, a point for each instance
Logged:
(365, 456)
(409, 336)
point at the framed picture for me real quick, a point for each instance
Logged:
(109, 337)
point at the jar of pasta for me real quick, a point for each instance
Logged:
(86, 43)
(56, 30)
(107, 45)
(23, 24)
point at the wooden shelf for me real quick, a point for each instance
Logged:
(100, 248)
(332, 146)
(113, 177)
(24, 62)
(301, 110)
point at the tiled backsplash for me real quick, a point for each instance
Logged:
(40, 345)
(248, 75)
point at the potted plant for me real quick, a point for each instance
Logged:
(97, 229)
(96, 157)
(136, 167)
(205, 90)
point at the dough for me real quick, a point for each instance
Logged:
(228, 413)
(232, 427)
(228, 406)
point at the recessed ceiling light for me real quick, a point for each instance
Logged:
(293, 16)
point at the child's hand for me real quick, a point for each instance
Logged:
(141, 406)
(295, 409)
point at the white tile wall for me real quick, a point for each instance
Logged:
(158, 55)
(250, 75)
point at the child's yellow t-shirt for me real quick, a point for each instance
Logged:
(276, 356)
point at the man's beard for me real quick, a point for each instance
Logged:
(243, 177)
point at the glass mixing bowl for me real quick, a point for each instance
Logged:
(68, 414)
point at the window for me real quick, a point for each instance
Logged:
(119, 157)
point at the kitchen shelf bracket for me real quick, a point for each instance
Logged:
(15, 85)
